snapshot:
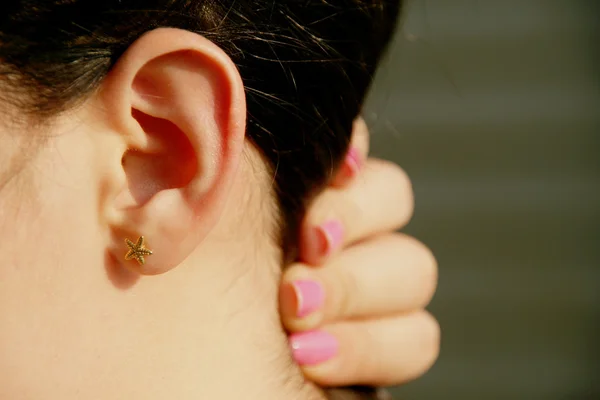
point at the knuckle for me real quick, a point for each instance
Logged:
(427, 347)
(428, 268)
(360, 128)
(398, 175)
(431, 336)
(405, 193)
(400, 187)
(348, 293)
(402, 177)
(430, 273)
(431, 329)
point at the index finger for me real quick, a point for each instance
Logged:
(356, 155)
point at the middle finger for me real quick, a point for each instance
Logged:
(401, 277)
(379, 200)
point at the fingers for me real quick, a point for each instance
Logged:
(357, 153)
(379, 200)
(390, 274)
(383, 352)
(357, 321)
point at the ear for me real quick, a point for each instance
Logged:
(177, 103)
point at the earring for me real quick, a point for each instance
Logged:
(137, 251)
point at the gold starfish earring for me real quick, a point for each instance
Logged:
(137, 250)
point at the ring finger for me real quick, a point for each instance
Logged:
(355, 284)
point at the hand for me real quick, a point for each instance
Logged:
(355, 306)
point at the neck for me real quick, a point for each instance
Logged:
(216, 318)
(209, 329)
(222, 338)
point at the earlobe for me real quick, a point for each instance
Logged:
(177, 102)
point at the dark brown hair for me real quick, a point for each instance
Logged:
(306, 67)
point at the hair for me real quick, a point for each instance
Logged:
(306, 66)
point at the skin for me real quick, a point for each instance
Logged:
(377, 283)
(158, 151)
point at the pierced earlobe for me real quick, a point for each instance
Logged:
(137, 251)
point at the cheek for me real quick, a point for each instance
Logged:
(52, 279)
(72, 328)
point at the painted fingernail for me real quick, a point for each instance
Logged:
(313, 347)
(303, 297)
(352, 163)
(329, 236)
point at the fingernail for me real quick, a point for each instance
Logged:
(352, 163)
(329, 236)
(313, 347)
(304, 297)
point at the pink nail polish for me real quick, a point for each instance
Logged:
(309, 297)
(352, 162)
(329, 237)
(313, 347)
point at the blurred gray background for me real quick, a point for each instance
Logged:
(493, 108)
